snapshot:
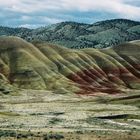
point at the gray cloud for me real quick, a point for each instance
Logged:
(36, 13)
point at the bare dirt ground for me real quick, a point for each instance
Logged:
(43, 115)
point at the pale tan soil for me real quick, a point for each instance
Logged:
(73, 116)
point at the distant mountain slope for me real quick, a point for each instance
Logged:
(76, 35)
(63, 70)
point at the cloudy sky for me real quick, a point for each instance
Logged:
(36, 13)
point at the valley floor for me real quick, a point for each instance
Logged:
(44, 115)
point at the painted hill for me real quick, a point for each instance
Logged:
(62, 70)
(76, 35)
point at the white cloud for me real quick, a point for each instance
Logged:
(31, 26)
(112, 6)
(115, 6)
(29, 12)
(51, 20)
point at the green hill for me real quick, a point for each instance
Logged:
(77, 35)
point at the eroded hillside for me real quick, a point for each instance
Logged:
(62, 70)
